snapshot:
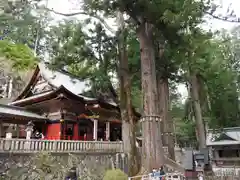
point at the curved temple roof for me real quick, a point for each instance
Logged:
(57, 79)
(45, 95)
(74, 85)
(227, 136)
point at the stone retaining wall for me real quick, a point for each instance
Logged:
(54, 166)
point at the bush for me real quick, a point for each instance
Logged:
(115, 174)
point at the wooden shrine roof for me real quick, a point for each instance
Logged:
(223, 137)
(57, 93)
(54, 79)
(12, 113)
(46, 82)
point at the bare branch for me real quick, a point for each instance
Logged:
(84, 13)
(223, 18)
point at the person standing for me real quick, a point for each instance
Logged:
(72, 174)
(200, 176)
(162, 173)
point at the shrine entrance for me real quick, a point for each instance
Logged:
(115, 132)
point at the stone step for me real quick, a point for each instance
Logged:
(173, 166)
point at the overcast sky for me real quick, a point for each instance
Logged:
(67, 6)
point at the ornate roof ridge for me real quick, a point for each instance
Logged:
(56, 79)
(47, 94)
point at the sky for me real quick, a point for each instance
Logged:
(68, 6)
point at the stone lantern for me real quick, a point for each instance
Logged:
(9, 132)
(29, 129)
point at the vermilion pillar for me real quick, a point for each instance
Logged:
(53, 131)
(76, 131)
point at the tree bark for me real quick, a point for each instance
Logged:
(197, 110)
(152, 150)
(127, 114)
(167, 124)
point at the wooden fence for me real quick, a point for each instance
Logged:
(61, 146)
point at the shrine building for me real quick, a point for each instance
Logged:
(53, 101)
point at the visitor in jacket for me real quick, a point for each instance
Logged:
(162, 173)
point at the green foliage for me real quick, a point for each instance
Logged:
(223, 85)
(91, 57)
(20, 33)
(212, 60)
(20, 55)
(24, 23)
(115, 174)
(185, 133)
(67, 45)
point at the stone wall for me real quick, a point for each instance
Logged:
(54, 166)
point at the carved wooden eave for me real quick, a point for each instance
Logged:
(61, 92)
(103, 111)
(104, 105)
(45, 80)
(96, 103)
(98, 107)
(18, 115)
(101, 117)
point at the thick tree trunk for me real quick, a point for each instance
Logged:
(167, 124)
(197, 111)
(127, 114)
(152, 150)
(129, 142)
(128, 121)
(162, 107)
